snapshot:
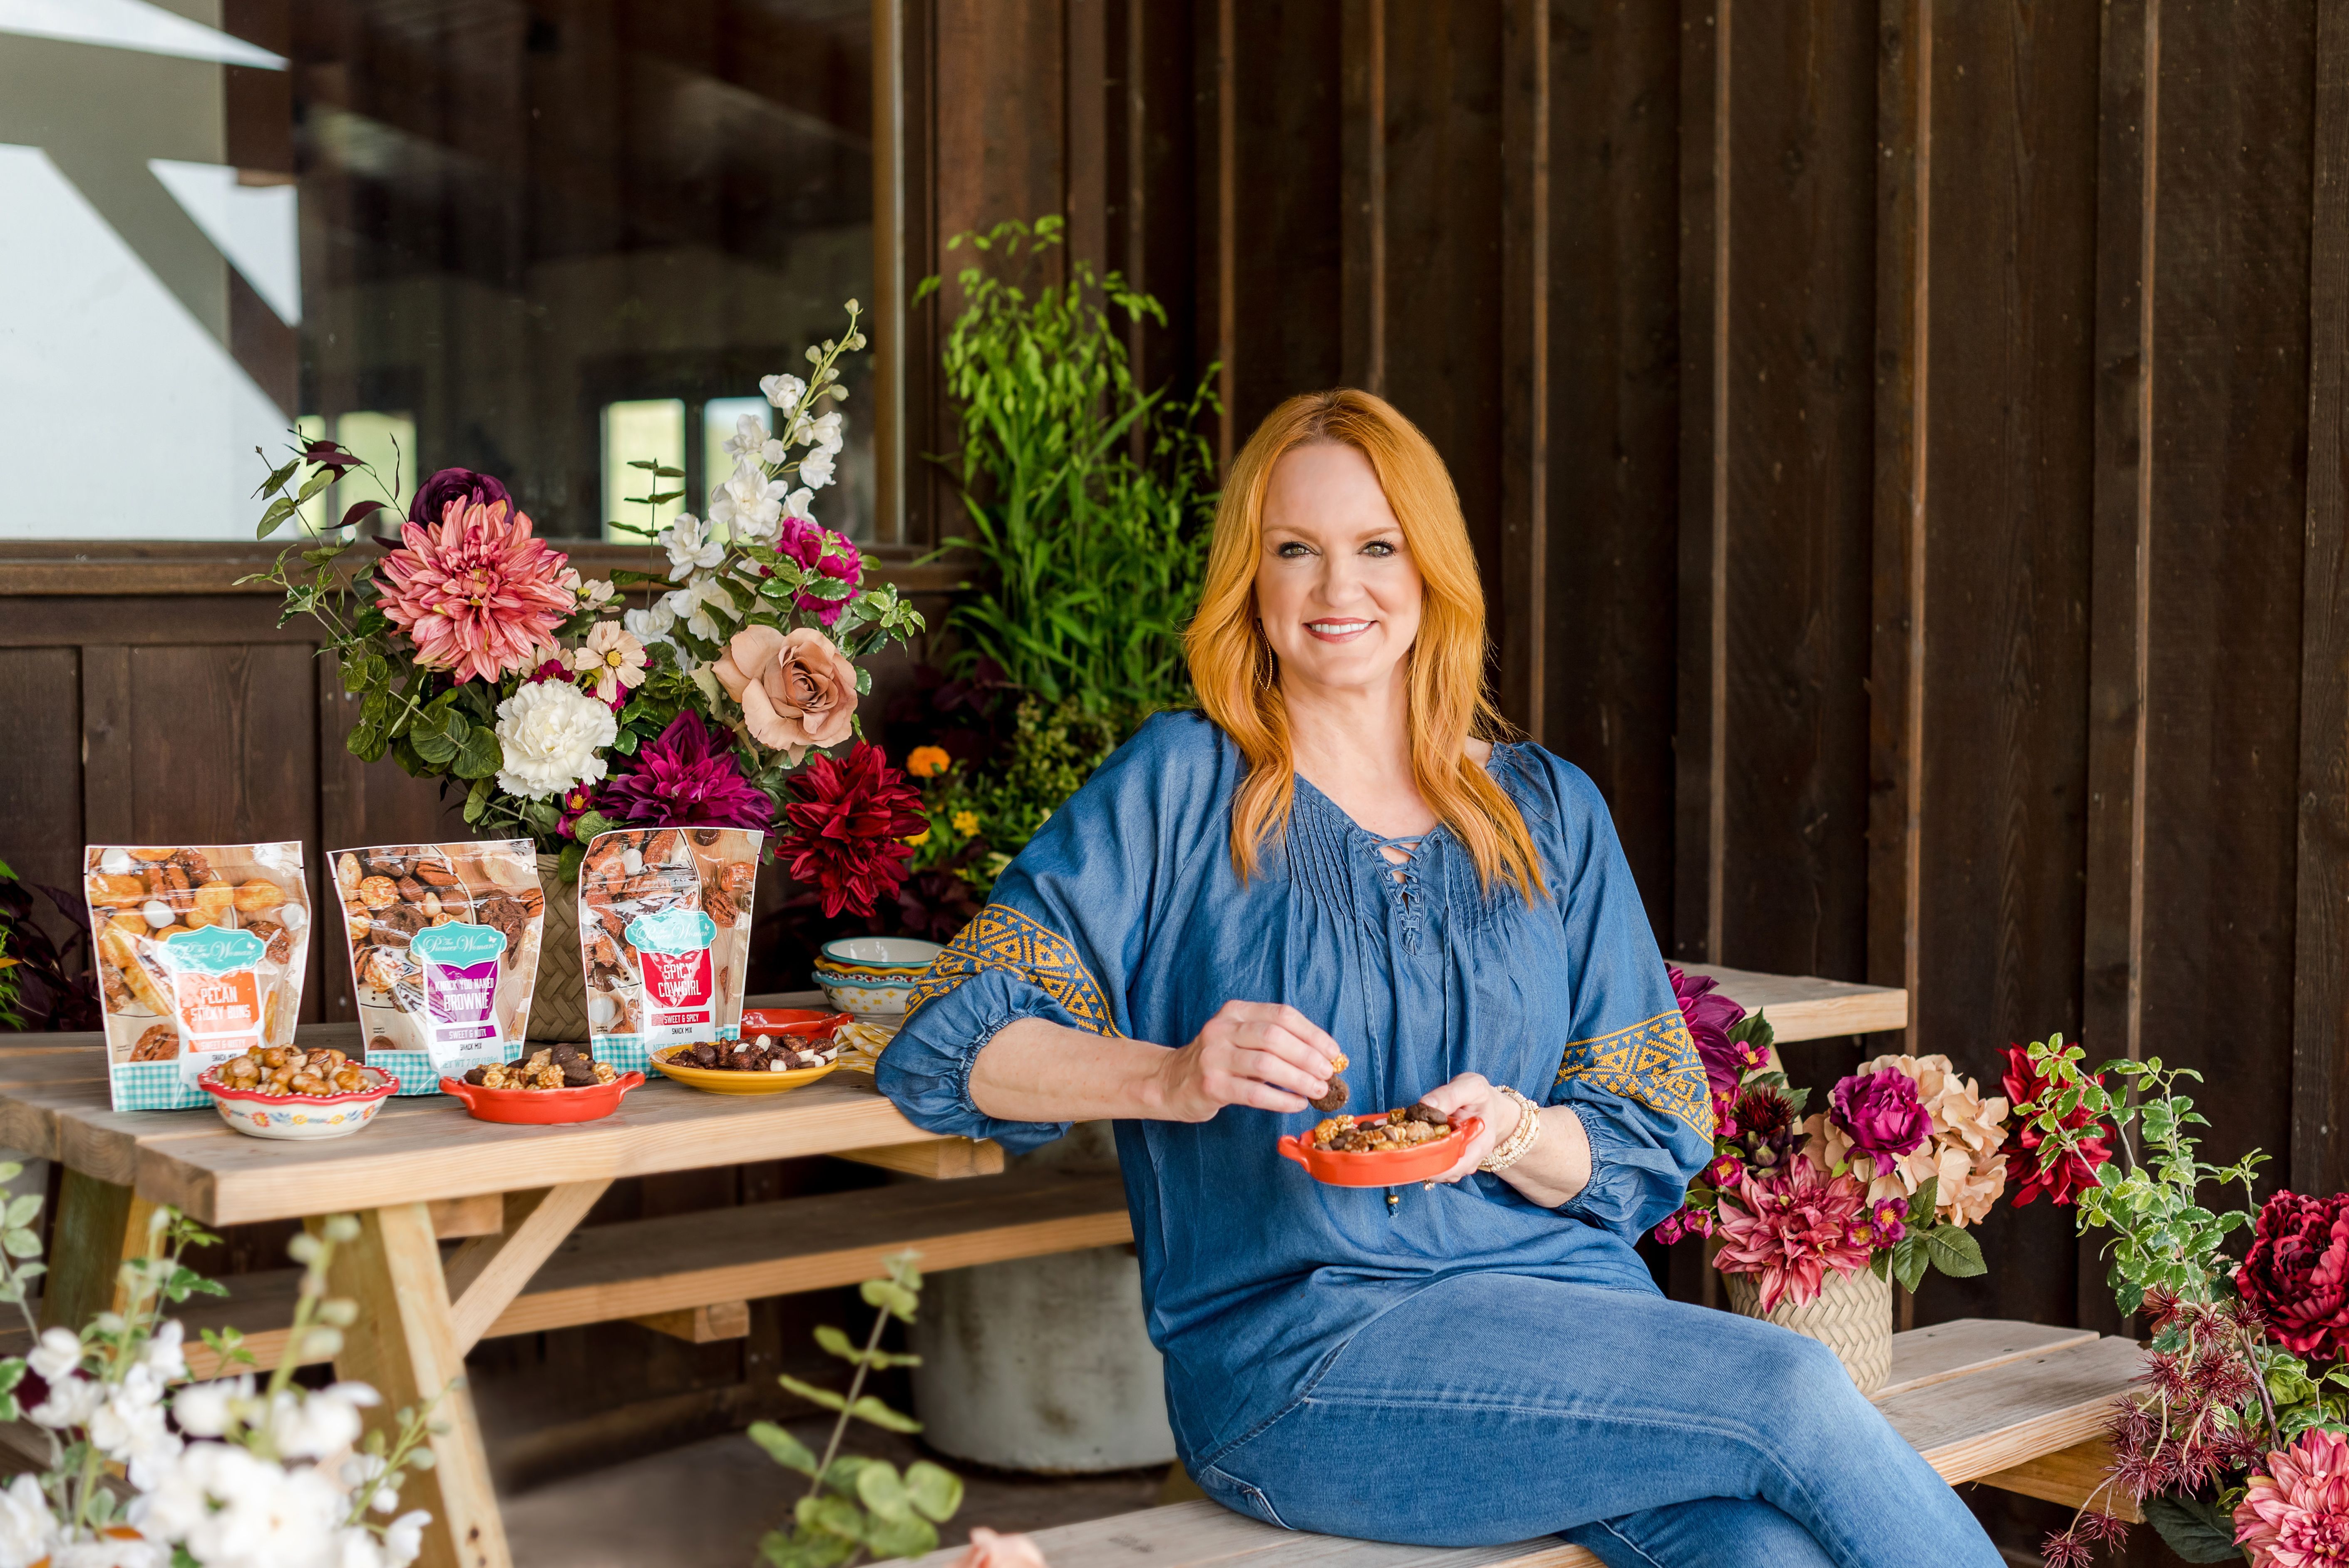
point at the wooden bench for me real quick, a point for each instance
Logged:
(2018, 1406)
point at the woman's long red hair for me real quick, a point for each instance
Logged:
(1237, 677)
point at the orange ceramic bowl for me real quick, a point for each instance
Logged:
(542, 1107)
(1418, 1163)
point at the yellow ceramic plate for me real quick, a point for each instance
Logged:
(725, 1081)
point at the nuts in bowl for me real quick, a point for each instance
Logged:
(280, 1092)
(1384, 1148)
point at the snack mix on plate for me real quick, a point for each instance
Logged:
(764, 1054)
(556, 1067)
(1397, 1129)
(273, 1071)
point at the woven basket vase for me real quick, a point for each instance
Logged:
(558, 1007)
(1851, 1316)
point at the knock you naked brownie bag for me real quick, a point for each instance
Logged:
(444, 944)
(664, 933)
(201, 954)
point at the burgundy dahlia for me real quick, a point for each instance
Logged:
(848, 828)
(449, 485)
(1882, 1113)
(1768, 1127)
(684, 779)
(1709, 1017)
(2059, 1174)
(2297, 1272)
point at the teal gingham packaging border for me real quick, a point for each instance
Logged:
(153, 1085)
(412, 1069)
(630, 1054)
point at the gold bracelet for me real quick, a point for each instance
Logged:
(1529, 1126)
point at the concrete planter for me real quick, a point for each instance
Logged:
(1042, 1363)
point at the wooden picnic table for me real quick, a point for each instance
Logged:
(425, 1173)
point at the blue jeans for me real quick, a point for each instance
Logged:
(1494, 1407)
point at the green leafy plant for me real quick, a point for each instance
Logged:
(855, 1505)
(1088, 498)
(995, 809)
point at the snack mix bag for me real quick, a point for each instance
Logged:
(200, 953)
(664, 933)
(444, 941)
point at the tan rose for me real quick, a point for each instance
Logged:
(797, 688)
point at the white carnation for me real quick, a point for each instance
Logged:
(551, 732)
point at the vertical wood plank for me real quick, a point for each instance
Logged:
(41, 786)
(1522, 613)
(2320, 988)
(98, 1226)
(1362, 195)
(109, 802)
(891, 288)
(1707, 174)
(1608, 616)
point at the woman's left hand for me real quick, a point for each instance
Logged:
(1471, 1095)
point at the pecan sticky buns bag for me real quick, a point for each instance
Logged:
(664, 931)
(201, 954)
(443, 941)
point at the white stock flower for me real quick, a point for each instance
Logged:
(797, 504)
(750, 441)
(826, 432)
(691, 546)
(107, 1551)
(207, 1409)
(551, 732)
(693, 604)
(28, 1529)
(71, 1403)
(783, 391)
(404, 1539)
(749, 503)
(58, 1353)
(228, 1506)
(815, 467)
(165, 1355)
(649, 626)
(315, 1425)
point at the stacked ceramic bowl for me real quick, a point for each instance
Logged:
(874, 977)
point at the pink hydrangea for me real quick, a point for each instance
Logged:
(479, 596)
(2297, 1515)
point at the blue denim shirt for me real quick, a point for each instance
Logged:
(1126, 916)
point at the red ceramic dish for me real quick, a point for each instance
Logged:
(542, 1107)
(1419, 1163)
(795, 1021)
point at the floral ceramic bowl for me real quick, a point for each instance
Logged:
(874, 977)
(299, 1115)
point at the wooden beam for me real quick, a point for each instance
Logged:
(488, 1271)
(2069, 1476)
(99, 1225)
(453, 1219)
(1805, 1008)
(700, 1325)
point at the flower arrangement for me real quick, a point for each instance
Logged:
(1907, 1155)
(226, 1474)
(479, 656)
(2234, 1448)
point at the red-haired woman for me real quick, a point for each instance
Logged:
(1341, 857)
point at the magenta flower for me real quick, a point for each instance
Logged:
(1881, 1112)
(1710, 1017)
(1888, 1224)
(683, 779)
(1681, 1223)
(819, 549)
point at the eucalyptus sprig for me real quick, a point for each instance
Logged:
(855, 1505)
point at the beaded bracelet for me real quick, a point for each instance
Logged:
(1529, 1126)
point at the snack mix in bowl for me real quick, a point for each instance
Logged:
(273, 1071)
(556, 1067)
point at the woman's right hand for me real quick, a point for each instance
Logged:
(1264, 1054)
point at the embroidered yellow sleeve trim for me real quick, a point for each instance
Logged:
(1001, 937)
(1653, 1062)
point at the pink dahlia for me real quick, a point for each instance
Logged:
(1791, 1227)
(2297, 1515)
(477, 594)
(684, 779)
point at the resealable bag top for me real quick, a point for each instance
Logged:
(201, 954)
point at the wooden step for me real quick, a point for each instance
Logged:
(650, 1268)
